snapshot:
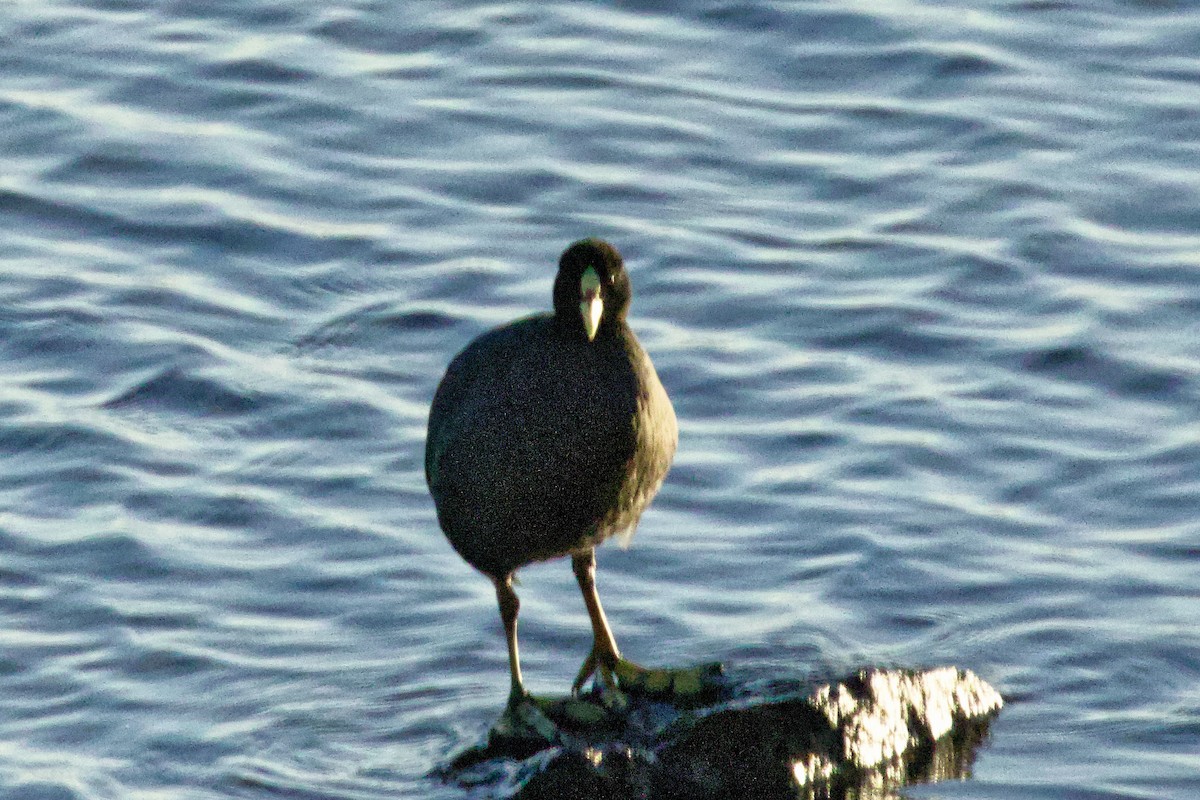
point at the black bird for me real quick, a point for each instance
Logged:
(548, 435)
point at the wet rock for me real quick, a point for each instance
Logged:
(870, 732)
(873, 730)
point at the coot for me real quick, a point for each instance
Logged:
(548, 435)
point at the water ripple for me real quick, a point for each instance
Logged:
(921, 280)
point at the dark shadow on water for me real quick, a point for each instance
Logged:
(863, 736)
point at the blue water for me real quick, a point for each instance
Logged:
(922, 278)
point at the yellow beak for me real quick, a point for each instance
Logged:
(591, 306)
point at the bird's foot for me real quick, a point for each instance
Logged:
(522, 730)
(581, 715)
(606, 687)
(616, 676)
(551, 721)
(680, 685)
(525, 719)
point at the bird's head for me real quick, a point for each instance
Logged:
(592, 289)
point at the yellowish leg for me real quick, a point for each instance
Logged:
(617, 673)
(510, 606)
(523, 714)
(604, 655)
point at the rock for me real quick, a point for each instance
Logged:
(877, 729)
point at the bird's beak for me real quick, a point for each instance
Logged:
(591, 306)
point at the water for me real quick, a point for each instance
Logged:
(923, 280)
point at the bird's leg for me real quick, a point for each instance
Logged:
(523, 714)
(510, 606)
(604, 656)
(616, 673)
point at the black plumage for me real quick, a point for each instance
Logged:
(550, 434)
